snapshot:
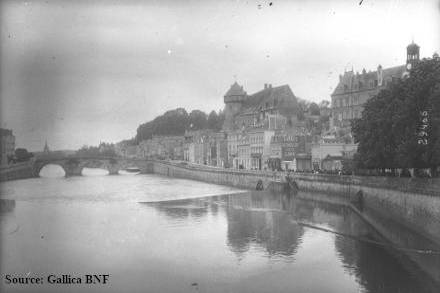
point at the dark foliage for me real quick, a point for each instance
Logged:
(175, 122)
(103, 150)
(22, 155)
(314, 109)
(390, 129)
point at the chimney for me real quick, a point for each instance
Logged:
(270, 85)
(265, 86)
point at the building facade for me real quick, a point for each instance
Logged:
(325, 154)
(243, 110)
(290, 151)
(244, 152)
(355, 89)
(163, 147)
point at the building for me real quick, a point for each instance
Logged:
(163, 147)
(290, 150)
(259, 142)
(217, 154)
(7, 141)
(243, 152)
(197, 147)
(127, 149)
(46, 149)
(355, 89)
(325, 154)
(233, 138)
(243, 110)
(222, 149)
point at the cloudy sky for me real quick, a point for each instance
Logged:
(80, 72)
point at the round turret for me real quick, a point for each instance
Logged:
(235, 94)
(234, 100)
(412, 48)
(412, 53)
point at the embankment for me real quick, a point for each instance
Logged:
(16, 171)
(415, 201)
(406, 211)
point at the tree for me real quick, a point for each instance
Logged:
(213, 120)
(314, 109)
(173, 122)
(22, 155)
(220, 119)
(197, 120)
(400, 127)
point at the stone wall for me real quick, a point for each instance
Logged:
(404, 200)
(404, 211)
(231, 177)
(16, 171)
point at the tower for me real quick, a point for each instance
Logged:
(234, 99)
(46, 148)
(412, 54)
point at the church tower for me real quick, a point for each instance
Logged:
(234, 99)
(412, 54)
(46, 148)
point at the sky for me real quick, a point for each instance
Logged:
(76, 73)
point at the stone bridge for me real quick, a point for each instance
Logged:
(73, 166)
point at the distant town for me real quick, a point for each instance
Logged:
(273, 129)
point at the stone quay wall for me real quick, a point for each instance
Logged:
(412, 201)
(237, 178)
(415, 202)
(16, 171)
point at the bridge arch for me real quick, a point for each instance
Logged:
(51, 170)
(73, 166)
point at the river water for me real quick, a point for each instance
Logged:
(159, 234)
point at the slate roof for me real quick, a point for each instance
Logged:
(350, 79)
(412, 48)
(235, 90)
(286, 101)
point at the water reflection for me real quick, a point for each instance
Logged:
(7, 205)
(276, 224)
(380, 271)
(255, 218)
(246, 242)
(52, 171)
(94, 172)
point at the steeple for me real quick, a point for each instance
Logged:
(46, 148)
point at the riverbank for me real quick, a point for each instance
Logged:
(415, 201)
(410, 206)
(16, 171)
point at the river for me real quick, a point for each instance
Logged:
(158, 234)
